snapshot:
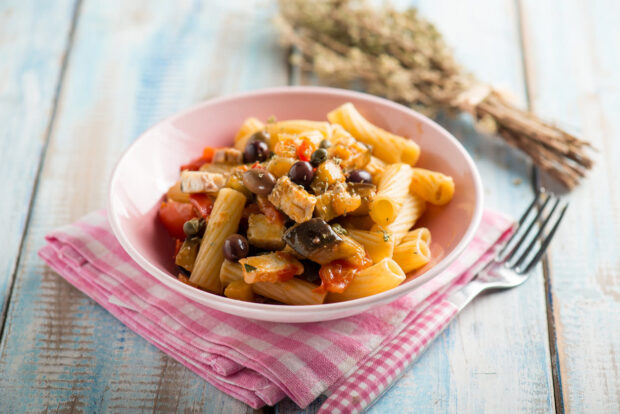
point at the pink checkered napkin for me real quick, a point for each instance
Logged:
(353, 359)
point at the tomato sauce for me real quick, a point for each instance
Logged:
(336, 276)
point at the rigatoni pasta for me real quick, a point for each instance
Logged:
(386, 146)
(223, 221)
(411, 210)
(291, 292)
(379, 244)
(249, 127)
(391, 193)
(412, 255)
(303, 212)
(432, 186)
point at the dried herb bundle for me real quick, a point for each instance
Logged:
(399, 55)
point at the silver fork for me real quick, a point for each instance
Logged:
(513, 261)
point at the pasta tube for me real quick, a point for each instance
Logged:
(412, 209)
(292, 292)
(377, 278)
(432, 186)
(386, 146)
(248, 128)
(421, 233)
(375, 167)
(412, 255)
(391, 193)
(229, 272)
(298, 126)
(239, 290)
(223, 221)
(378, 244)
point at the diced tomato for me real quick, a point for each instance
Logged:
(269, 210)
(173, 215)
(194, 165)
(203, 204)
(305, 150)
(336, 276)
(207, 154)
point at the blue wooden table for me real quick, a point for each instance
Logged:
(80, 79)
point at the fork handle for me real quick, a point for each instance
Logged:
(461, 297)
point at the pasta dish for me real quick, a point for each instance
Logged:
(303, 212)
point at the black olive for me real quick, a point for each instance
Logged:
(318, 157)
(255, 151)
(325, 144)
(193, 227)
(301, 173)
(236, 247)
(359, 176)
(259, 181)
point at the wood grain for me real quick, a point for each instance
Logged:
(132, 64)
(572, 54)
(30, 70)
(494, 357)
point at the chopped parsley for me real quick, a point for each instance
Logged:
(386, 236)
(249, 268)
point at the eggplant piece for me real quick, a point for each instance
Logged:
(309, 237)
(347, 249)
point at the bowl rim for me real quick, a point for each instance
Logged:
(232, 304)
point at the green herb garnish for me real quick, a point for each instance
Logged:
(249, 268)
(386, 236)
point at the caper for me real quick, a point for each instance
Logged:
(325, 144)
(193, 227)
(318, 157)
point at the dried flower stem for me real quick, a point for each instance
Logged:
(403, 57)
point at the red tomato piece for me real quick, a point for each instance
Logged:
(336, 276)
(207, 154)
(203, 204)
(173, 215)
(305, 150)
(194, 165)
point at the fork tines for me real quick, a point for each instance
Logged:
(530, 240)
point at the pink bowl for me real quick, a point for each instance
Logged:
(151, 165)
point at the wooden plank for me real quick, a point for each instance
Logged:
(494, 357)
(573, 59)
(30, 70)
(132, 64)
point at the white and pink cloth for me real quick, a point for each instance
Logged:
(351, 360)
